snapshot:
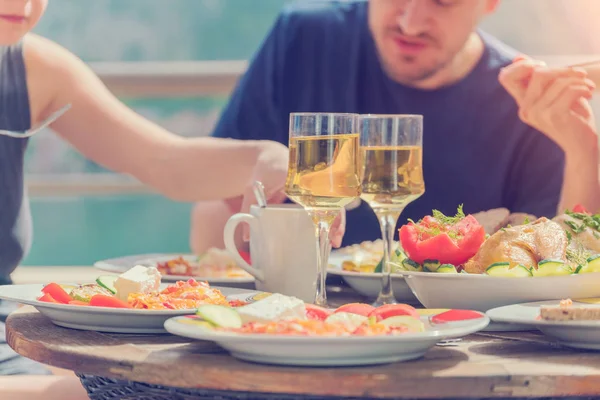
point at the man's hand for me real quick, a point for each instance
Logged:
(554, 101)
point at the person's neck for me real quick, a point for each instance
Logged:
(460, 66)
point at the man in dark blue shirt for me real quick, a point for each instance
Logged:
(403, 57)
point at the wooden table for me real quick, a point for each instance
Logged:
(480, 366)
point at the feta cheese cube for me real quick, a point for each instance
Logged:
(273, 308)
(138, 279)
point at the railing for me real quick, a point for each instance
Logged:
(141, 80)
(167, 80)
(170, 79)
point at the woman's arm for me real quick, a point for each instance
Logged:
(106, 131)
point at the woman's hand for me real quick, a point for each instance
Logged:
(337, 230)
(271, 170)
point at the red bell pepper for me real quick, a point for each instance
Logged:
(47, 298)
(579, 209)
(101, 300)
(58, 293)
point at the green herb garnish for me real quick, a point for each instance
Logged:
(590, 221)
(443, 219)
(574, 227)
(578, 256)
(443, 225)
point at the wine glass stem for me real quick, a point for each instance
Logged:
(323, 249)
(387, 221)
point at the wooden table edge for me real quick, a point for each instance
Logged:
(372, 385)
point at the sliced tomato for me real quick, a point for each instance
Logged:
(101, 300)
(48, 299)
(448, 244)
(316, 312)
(78, 303)
(57, 292)
(454, 316)
(393, 310)
(245, 256)
(356, 308)
(579, 209)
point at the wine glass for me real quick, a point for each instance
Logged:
(391, 148)
(323, 175)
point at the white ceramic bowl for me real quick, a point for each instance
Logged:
(483, 292)
(369, 284)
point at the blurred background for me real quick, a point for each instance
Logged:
(175, 62)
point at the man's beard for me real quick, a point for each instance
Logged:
(416, 75)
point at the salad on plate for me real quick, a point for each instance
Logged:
(138, 288)
(286, 331)
(566, 245)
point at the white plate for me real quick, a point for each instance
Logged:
(483, 292)
(327, 351)
(577, 334)
(369, 284)
(106, 319)
(122, 264)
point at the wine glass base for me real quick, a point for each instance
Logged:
(322, 304)
(383, 300)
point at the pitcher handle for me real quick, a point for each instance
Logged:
(229, 235)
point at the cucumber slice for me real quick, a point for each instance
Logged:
(396, 267)
(431, 265)
(220, 316)
(410, 265)
(503, 270)
(68, 288)
(593, 263)
(107, 282)
(86, 292)
(398, 321)
(579, 269)
(379, 266)
(204, 325)
(447, 269)
(396, 258)
(551, 268)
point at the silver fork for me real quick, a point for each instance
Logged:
(583, 65)
(37, 127)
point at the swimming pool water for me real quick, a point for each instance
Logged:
(81, 230)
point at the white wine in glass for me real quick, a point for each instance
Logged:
(392, 177)
(323, 174)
